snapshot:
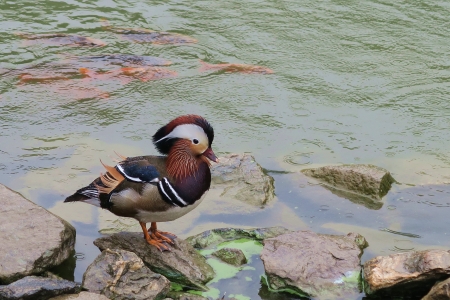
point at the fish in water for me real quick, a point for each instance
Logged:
(127, 74)
(234, 68)
(141, 35)
(124, 60)
(41, 78)
(60, 39)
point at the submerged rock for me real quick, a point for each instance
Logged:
(183, 264)
(231, 256)
(219, 235)
(440, 291)
(120, 274)
(366, 180)
(81, 296)
(37, 288)
(33, 239)
(406, 269)
(314, 265)
(240, 177)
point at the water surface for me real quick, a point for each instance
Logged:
(354, 82)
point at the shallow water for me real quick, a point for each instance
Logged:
(362, 82)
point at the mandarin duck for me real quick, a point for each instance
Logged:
(154, 189)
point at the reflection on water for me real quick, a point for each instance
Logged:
(359, 82)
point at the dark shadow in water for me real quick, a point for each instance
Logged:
(355, 198)
(66, 270)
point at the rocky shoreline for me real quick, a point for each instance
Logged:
(301, 263)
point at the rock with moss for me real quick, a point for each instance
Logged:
(238, 176)
(360, 183)
(184, 296)
(231, 256)
(249, 242)
(219, 235)
(183, 264)
(314, 265)
(122, 275)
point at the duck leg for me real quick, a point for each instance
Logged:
(161, 235)
(153, 240)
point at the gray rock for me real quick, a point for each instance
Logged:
(314, 265)
(219, 235)
(367, 180)
(37, 288)
(121, 275)
(440, 291)
(231, 256)
(409, 268)
(183, 264)
(240, 177)
(33, 239)
(81, 296)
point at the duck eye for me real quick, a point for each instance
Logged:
(195, 141)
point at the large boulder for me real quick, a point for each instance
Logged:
(32, 239)
(354, 181)
(37, 288)
(314, 265)
(440, 291)
(407, 269)
(122, 275)
(238, 176)
(183, 264)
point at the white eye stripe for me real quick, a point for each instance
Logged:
(187, 131)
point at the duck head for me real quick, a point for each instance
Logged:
(188, 133)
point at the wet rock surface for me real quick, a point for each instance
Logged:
(120, 274)
(231, 256)
(81, 296)
(440, 291)
(37, 288)
(33, 239)
(366, 180)
(406, 269)
(238, 176)
(219, 235)
(314, 265)
(183, 264)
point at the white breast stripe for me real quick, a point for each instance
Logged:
(174, 192)
(162, 189)
(126, 175)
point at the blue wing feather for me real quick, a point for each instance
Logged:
(138, 171)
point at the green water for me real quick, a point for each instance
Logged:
(354, 82)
